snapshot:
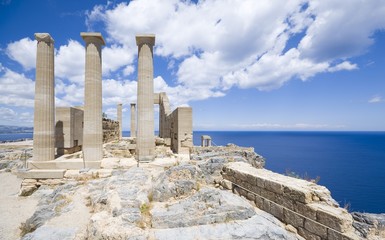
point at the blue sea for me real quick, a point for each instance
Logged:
(350, 164)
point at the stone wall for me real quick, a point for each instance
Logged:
(175, 127)
(110, 130)
(305, 205)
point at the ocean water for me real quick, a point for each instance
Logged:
(15, 136)
(350, 164)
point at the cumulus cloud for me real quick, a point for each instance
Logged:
(213, 46)
(16, 89)
(23, 52)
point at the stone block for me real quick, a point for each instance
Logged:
(292, 218)
(308, 235)
(297, 193)
(266, 206)
(277, 211)
(250, 196)
(274, 187)
(269, 195)
(333, 235)
(333, 217)
(287, 203)
(258, 202)
(305, 210)
(316, 228)
(260, 182)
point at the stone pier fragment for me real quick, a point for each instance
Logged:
(119, 118)
(133, 120)
(44, 116)
(93, 132)
(145, 146)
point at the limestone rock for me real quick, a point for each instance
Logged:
(208, 206)
(369, 225)
(176, 182)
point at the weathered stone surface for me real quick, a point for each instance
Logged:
(231, 153)
(369, 225)
(176, 182)
(207, 206)
(256, 227)
(336, 218)
(316, 228)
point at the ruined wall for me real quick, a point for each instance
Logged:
(110, 130)
(305, 205)
(175, 127)
(68, 130)
(181, 130)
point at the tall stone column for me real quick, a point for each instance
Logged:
(119, 116)
(145, 143)
(44, 116)
(133, 120)
(93, 130)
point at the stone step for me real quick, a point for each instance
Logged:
(41, 173)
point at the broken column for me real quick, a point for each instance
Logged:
(145, 143)
(44, 116)
(93, 132)
(133, 120)
(119, 116)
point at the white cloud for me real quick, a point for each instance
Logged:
(376, 99)
(7, 114)
(70, 62)
(341, 29)
(346, 65)
(23, 52)
(214, 46)
(16, 89)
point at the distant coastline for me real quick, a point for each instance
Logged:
(6, 129)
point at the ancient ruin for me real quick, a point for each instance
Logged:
(44, 120)
(93, 133)
(164, 185)
(84, 129)
(145, 143)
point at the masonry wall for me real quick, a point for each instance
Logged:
(181, 130)
(306, 206)
(175, 127)
(68, 130)
(110, 130)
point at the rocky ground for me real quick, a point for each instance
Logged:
(171, 198)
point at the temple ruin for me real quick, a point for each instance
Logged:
(85, 129)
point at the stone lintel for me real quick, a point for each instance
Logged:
(45, 37)
(145, 39)
(92, 36)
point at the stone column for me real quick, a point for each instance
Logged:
(44, 116)
(119, 116)
(93, 130)
(145, 143)
(133, 120)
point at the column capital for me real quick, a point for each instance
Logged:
(44, 37)
(119, 104)
(145, 39)
(93, 37)
(133, 104)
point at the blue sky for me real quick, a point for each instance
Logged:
(241, 65)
